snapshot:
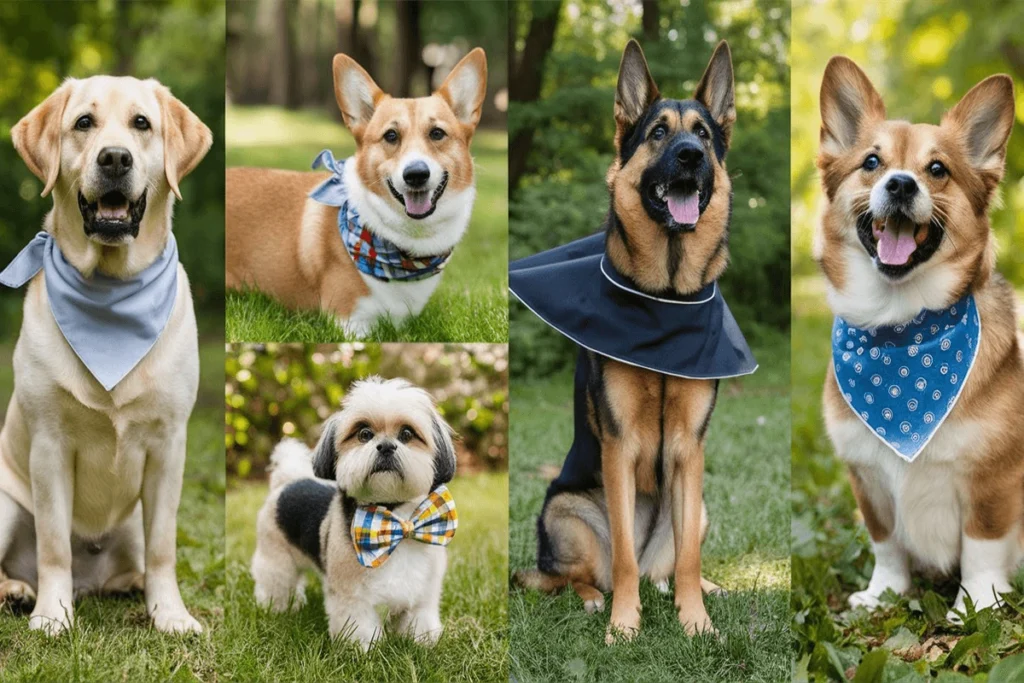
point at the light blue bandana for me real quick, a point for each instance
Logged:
(903, 381)
(110, 324)
(371, 253)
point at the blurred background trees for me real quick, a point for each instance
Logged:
(278, 390)
(280, 51)
(178, 42)
(562, 89)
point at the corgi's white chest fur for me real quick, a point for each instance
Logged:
(923, 495)
(435, 234)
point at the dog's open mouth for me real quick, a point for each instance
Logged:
(420, 203)
(897, 242)
(681, 198)
(112, 218)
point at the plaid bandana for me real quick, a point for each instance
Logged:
(377, 531)
(371, 253)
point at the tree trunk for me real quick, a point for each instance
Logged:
(527, 78)
(283, 66)
(651, 19)
(410, 46)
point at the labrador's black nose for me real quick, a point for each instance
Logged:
(901, 187)
(416, 174)
(114, 161)
(690, 155)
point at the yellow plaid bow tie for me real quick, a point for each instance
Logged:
(377, 531)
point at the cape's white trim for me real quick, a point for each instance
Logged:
(622, 360)
(714, 291)
(956, 399)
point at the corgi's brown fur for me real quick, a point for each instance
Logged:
(285, 244)
(960, 502)
(648, 516)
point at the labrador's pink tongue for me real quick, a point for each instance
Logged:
(684, 209)
(896, 242)
(417, 203)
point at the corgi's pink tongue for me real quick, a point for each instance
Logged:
(896, 241)
(684, 208)
(417, 203)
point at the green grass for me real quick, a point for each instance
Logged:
(832, 556)
(746, 551)
(112, 639)
(471, 303)
(255, 644)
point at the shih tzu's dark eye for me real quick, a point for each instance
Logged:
(406, 434)
(871, 163)
(659, 132)
(937, 169)
(364, 435)
(83, 122)
(391, 136)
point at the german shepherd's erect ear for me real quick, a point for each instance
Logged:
(716, 90)
(636, 90)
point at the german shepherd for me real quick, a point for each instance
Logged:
(667, 231)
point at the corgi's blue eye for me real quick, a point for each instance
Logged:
(391, 136)
(659, 132)
(872, 162)
(937, 169)
(436, 134)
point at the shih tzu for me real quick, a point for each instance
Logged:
(377, 477)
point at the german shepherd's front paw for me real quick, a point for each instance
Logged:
(695, 620)
(625, 623)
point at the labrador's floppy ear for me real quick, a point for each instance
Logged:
(186, 138)
(325, 455)
(444, 452)
(466, 86)
(357, 94)
(36, 136)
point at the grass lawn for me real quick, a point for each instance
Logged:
(909, 640)
(255, 644)
(746, 551)
(112, 639)
(470, 305)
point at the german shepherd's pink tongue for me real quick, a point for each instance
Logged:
(684, 209)
(417, 203)
(896, 240)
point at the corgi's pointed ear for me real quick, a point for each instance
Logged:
(716, 90)
(848, 103)
(444, 452)
(186, 138)
(356, 93)
(325, 456)
(36, 136)
(983, 120)
(635, 90)
(466, 86)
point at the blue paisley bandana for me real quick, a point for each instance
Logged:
(371, 253)
(903, 381)
(110, 324)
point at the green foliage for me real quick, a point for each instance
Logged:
(179, 43)
(746, 550)
(278, 390)
(563, 196)
(257, 645)
(923, 56)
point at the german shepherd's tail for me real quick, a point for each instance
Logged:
(289, 462)
(534, 579)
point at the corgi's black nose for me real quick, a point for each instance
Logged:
(901, 186)
(416, 174)
(690, 155)
(114, 161)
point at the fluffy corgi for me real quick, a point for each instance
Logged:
(371, 239)
(923, 397)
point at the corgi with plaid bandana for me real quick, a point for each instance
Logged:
(369, 240)
(368, 509)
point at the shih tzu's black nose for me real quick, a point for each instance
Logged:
(386, 448)
(901, 187)
(114, 161)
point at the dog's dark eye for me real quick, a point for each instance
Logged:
(406, 435)
(141, 123)
(659, 132)
(702, 132)
(937, 169)
(872, 162)
(83, 123)
(436, 134)
(364, 435)
(391, 136)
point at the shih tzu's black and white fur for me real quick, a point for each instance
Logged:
(388, 445)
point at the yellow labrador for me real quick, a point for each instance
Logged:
(90, 477)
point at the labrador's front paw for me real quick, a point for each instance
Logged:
(175, 621)
(52, 620)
